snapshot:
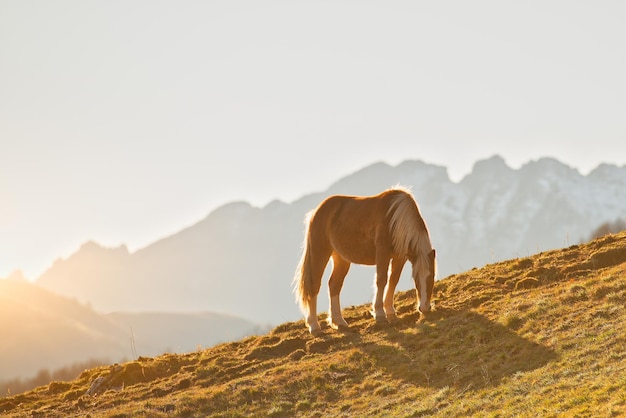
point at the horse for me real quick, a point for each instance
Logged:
(384, 230)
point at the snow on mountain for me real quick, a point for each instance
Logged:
(240, 259)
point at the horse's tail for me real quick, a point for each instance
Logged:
(303, 279)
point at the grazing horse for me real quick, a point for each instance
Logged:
(376, 230)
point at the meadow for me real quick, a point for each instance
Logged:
(538, 336)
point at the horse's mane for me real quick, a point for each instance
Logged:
(408, 230)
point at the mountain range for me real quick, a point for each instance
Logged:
(240, 259)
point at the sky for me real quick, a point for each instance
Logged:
(123, 122)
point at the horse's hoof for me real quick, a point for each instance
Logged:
(392, 318)
(381, 319)
(336, 326)
(315, 331)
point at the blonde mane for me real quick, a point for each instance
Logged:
(408, 229)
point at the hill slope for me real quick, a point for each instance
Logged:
(543, 335)
(40, 330)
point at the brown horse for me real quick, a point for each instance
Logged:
(376, 230)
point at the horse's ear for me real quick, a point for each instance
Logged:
(433, 253)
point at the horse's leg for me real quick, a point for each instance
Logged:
(340, 269)
(396, 269)
(382, 270)
(319, 259)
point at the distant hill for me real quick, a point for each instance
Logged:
(241, 259)
(533, 336)
(40, 330)
(178, 332)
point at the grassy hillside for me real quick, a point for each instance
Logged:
(544, 335)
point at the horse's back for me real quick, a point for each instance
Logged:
(353, 226)
(350, 210)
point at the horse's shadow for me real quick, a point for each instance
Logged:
(460, 349)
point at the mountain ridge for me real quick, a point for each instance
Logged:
(240, 259)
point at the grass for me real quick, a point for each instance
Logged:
(543, 335)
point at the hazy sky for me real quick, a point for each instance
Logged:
(125, 121)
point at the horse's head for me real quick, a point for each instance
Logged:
(424, 277)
